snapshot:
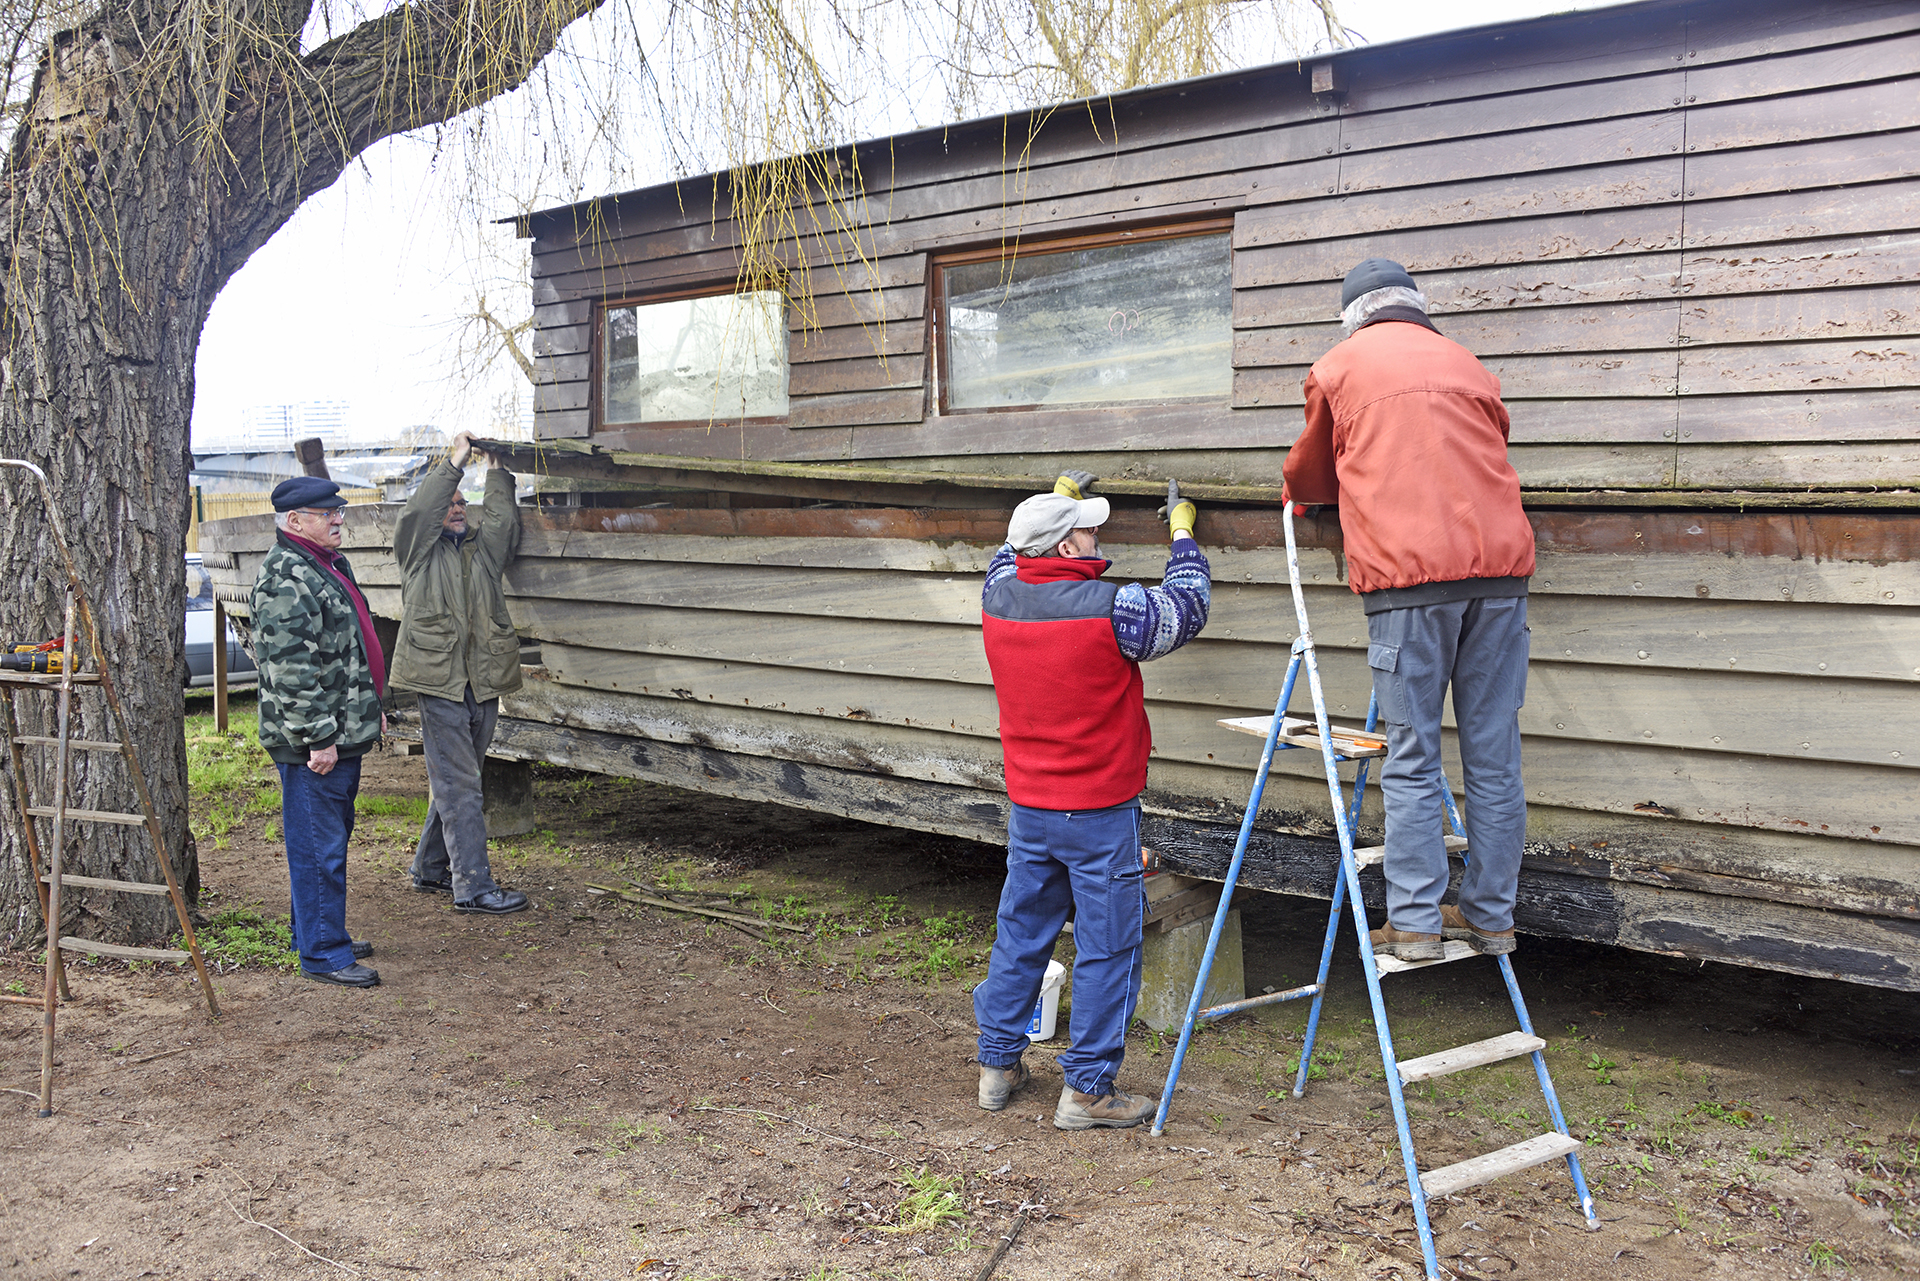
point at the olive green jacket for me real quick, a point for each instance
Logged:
(454, 629)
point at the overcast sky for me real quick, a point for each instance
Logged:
(358, 298)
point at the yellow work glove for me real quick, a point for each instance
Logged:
(1179, 513)
(1075, 484)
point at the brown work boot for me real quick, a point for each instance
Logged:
(1486, 942)
(1116, 1111)
(997, 1084)
(1403, 946)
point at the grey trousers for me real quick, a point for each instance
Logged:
(454, 840)
(1479, 647)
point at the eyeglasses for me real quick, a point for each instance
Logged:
(332, 515)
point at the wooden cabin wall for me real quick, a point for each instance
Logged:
(1721, 732)
(1682, 235)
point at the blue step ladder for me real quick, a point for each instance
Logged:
(1337, 745)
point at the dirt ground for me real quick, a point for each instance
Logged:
(595, 1090)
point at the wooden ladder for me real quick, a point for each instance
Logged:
(50, 877)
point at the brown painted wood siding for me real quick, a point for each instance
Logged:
(1682, 236)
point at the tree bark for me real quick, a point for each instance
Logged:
(154, 155)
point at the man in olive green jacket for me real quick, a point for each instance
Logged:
(458, 651)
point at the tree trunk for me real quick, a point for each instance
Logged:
(124, 208)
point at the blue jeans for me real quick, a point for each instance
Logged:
(1479, 647)
(1091, 860)
(316, 817)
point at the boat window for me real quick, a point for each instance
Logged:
(1141, 316)
(722, 356)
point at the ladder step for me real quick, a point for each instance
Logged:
(11, 999)
(1485, 1169)
(1462, 1057)
(45, 682)
(1348, 744)
(123, 953)
(1369, 855)
(91, 816)
(1452, 950)
(97, 883)
(84, 744)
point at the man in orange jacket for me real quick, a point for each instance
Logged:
(1406, 433)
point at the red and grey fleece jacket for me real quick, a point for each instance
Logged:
(1065, 650)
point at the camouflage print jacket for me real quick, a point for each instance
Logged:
(316, 689)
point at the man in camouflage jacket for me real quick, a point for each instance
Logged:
(321, 671)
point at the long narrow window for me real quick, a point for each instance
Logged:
(1140, 317)
(695, 359)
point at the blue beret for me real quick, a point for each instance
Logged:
(1374, 273)
(306, 491)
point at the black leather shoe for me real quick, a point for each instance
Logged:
(494, 903)
(362, 949)
(433, 887)
(355, 975)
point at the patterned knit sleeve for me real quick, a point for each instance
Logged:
(1152, 622)
(1002, 564)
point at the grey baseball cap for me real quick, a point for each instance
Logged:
(1040, 522)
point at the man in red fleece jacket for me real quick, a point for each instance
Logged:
(1406, 433)
(1066, 649)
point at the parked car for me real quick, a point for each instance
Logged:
(240, 669)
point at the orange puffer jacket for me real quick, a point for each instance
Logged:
(1406, 432)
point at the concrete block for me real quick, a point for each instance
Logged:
(508, 806)
(1170, 962)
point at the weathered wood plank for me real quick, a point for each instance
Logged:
(561, 424)
(856, 342)
(1589, 142)
(895, 751)
(1796, 167)
(1115, 428)
(1536, 330)
(1319, 214)
(1602, 375)
(1803, 415)
(858, 409)
(1883, 311)
(1878, 361)
(1603, 233)
(1802, 215)
(1480, 288)
(1824, 112)
(1702, 709)
(1888, 464)
(860, 375)
(1743, 931)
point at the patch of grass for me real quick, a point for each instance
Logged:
(411, 808)
(241, 936)
(230, 772)
(1825, 1258)
(930, 1199)
(1735, 1114)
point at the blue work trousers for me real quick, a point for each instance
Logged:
(316, 817)
(1089, 859)
(1479, 647)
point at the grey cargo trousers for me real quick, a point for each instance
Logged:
(455, 736)
(1479, 647)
